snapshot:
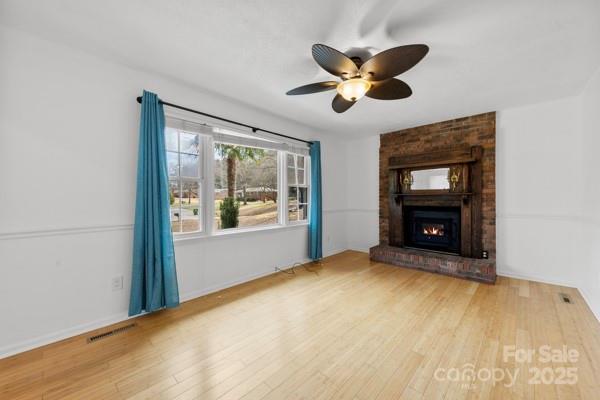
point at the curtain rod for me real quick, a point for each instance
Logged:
(254, 129)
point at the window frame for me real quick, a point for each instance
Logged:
(200, 180)
(206, 187)
(307, 185)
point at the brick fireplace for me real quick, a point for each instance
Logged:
(437, 207)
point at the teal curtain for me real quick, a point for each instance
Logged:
(315, 220)
(154, 277)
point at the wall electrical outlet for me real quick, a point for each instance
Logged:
(117, 283)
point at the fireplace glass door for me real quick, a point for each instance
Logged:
(433, 228)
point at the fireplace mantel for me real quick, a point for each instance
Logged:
(466, 194)
(465, 155)
(466, 147)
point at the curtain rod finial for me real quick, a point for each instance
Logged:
(139, 99)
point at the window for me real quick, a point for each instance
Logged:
(223, 180)
(183, 163)
(297, 187)
(245, 185)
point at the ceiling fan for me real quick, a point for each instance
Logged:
(373, 78)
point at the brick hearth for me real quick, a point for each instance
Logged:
(470, 268)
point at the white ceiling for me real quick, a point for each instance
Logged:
(484, 55)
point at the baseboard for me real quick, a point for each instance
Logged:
(50, 338)
(572, 285)
(212, 289)
(215, 288)
(333, 252)
(54, 337)
(586, 298)
(536, 279)
(360, 248)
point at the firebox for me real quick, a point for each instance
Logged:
(432, 228)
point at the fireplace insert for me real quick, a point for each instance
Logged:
(432, 228)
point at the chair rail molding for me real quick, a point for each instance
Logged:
(63, 231)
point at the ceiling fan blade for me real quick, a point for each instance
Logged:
(333, 61)
(390, 89)
(392, 62)
(340, 104)
(313, 88)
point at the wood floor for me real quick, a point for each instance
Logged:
(351, 329)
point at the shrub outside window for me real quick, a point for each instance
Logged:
(245, 186)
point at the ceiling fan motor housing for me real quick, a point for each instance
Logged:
(357, 60)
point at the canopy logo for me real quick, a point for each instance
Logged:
(468, 375)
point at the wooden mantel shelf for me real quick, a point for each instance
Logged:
(434, 194)
(467, 155)
(430, 164)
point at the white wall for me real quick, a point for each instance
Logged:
(539, 191)
(363, 193)
(591, 200)
(68, 149)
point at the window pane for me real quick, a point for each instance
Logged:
(190, 206)
(183, 159)
(173, 163)
(189, 143)
(300, 177)
(171, 139)
(290, 160)
(293, 211)
(174, 201)
(300, 161)
(292, 194)
(175, 221)
(303, 211)
(245, 186)
(302, 193)
(190, 165)
(291, 176)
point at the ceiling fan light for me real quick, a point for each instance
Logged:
(353, 89)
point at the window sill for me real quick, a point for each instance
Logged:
(235, 232)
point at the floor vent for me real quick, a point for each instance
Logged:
(112, 332)
(565, 298)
